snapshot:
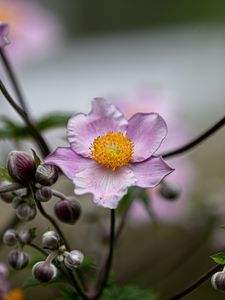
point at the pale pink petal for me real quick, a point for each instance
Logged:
(106, 185)
(68, 161)
(147, 132)
(4, 29)
(83, 129)
(150, 172)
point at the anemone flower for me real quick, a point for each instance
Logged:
(32, 29)
(108, 154)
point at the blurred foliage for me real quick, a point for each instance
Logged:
(11, 129)
(90, 17)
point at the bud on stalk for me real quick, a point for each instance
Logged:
(18, 259)
(68, 210)
(73, 259)
(46, 174)
(50, 240)
(21, 166)
(10, 237)
(44, 271)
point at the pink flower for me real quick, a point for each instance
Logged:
(33, 30)
(4, 28)
(108, 154)
(184, 177)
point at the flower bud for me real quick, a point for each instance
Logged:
(25, 236)
(17, 200)
(169, 191)
(18, 259)
(74, 259)
(46, 174)
(50, 240)
(10, 237)
(44, 271)
(44, 194)
(8, 196)
(218, 281)
(68, 210)
(26, 212)
(21, 166)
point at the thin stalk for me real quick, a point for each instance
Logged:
(13, 78)
(11, 187)
(58, 194)
(195, 142)
(108, 263)
(196, 284)
(33, 131)
(36, 247)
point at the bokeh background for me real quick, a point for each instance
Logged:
(166, 56)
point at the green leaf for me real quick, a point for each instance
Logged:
(4, 174)
(222, 226)
(219, 258)
(53, 120)
(36, 158)
(68, 294)
(32, 232)
(128, 293)
(15, 130)
(30, 282)
(125, 201)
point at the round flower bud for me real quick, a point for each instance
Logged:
(26, 212)
(43, 271)
(10, 237)
(68, 210)
(18, 259)
(74, 259)
(44, 194)
(218, 281)
(25, 236)
(169, 191)
(17, 200)
(50, 240)
(8, 196)
(21, 166)
(46, 174)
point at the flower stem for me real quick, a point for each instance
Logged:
(196, 284)
(108, 264)
(195, 142)
(11, 187)
(33, 131)
(14, 81)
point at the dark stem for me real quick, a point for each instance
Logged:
(108, 263)
(53, 222)
(13, 79)
(36, 247)
(195, 142)
(196, 284)
(33, 131)
(11, 187)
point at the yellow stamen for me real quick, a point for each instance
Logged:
(9, 14)
(15, 295)
(112, 150)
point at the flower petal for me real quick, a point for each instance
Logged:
(83, 129)
(68, 161)
(147, 132)
(106, 185)
(4, 29)
(150, 172)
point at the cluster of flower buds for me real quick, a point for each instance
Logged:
(45, 271)
(18, 259)
(22, 169)
(218, 281)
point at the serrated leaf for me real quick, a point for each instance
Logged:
(4, 174)
(36, 158)
(219, 258)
